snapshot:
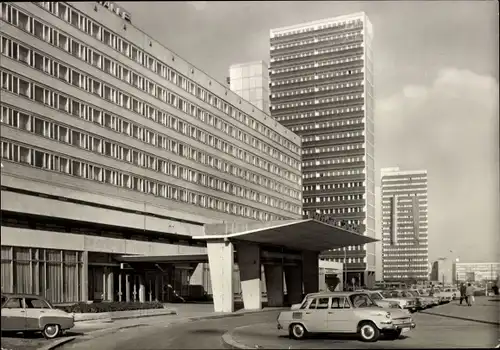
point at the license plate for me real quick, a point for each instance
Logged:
(406, 329)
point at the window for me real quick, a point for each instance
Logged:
(36, 304)
(13, 303)
(321, 303)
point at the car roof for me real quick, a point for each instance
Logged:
(21, 295)
(333, 294)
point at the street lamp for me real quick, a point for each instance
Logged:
(457, 260)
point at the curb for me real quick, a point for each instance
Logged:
(230, 343)
(57, 343)
(122, 315)
(461, 318)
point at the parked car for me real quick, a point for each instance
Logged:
(344, 312)
(430, 301)
(408, 303)
(33, 313)
(449, 294)
(379, 299)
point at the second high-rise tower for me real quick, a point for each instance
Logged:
(321, 77)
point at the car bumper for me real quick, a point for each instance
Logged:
(396, 327)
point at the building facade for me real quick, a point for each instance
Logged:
(404, 225)
(476, 272)
(321, 77)
(251, 81)
(113, 145)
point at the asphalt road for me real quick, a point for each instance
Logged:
(205, 334)
(431, 332)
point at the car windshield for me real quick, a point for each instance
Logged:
(406, 294)
(35, 303)
(375, 296)
(361, 301)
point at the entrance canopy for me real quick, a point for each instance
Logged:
(187, 258)
(306, 234)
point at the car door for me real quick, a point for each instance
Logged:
(315, 317)
(339, 316)
(13, 315)
(35, 308)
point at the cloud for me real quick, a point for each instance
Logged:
(198, 5)
(450, 128)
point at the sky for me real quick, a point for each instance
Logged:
(436, 90)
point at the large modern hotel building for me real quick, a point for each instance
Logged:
(113, 145)
(321, 77)
(405, 249)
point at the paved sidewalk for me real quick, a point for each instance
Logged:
(483, 310)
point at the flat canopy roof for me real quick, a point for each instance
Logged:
(187, 258)
(308, 234)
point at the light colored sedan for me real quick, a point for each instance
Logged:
(344, 312)
(33, 313)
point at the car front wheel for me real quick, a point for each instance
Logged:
(297, 331)
(369, 332)
(51, 331)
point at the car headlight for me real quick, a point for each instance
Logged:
(388, 315)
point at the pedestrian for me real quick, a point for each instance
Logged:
(469, 294)
(495, 289)
(462, 293)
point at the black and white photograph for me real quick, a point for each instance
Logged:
(249, 175)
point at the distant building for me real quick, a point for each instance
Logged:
(251, 81)
(434, 276)
(476, 272)
(405, 248)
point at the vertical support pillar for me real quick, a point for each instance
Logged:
(157, 287)
(110, 288)
(85, 276)
(104, 283)
(221, 262)
(274, 285)
(135, 290)
(310, 271)
(120, 293)
(127, 288)
(142, 289)
(249, 266)
(293, 280)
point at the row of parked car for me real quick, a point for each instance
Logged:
(368, 313)
(414, 299)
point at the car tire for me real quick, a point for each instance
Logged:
(51, 331)
(368, 332)
(297, 331)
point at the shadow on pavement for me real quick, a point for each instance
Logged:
(209, 331)
(342, 337)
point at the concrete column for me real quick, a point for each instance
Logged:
(157, 287)
(142, 289)
(104, 283)
(221, 262)
(127, 288)
(249, 266)
(274, 285)
(85, 276)
(110, 288)
(120, 294)
(310, 271)
(293, 280)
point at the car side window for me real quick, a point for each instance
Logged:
(346, 304)
(36, 304)
(322, 303)
(14, 303)
(336, 304)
